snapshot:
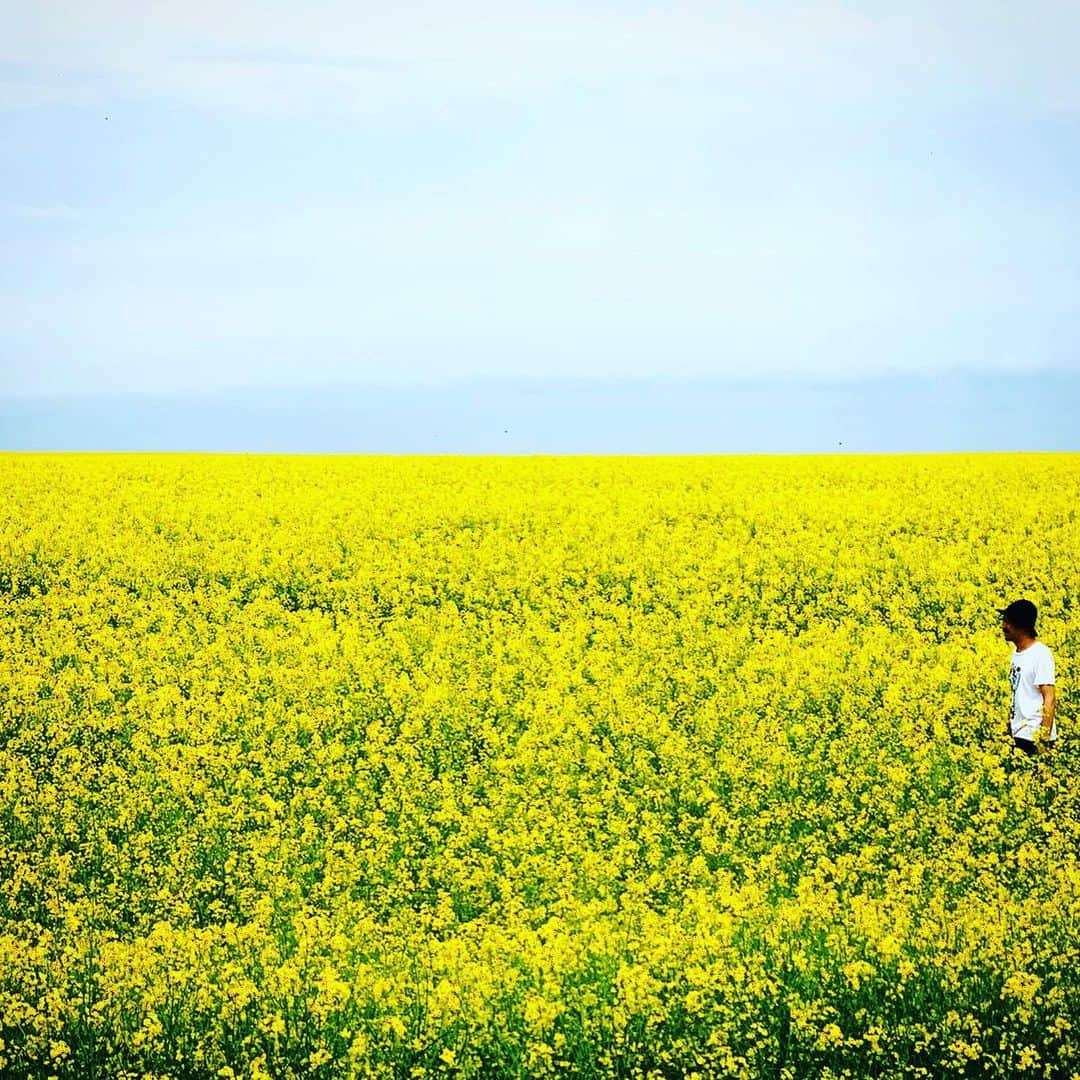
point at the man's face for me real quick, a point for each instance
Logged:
(1008, 631)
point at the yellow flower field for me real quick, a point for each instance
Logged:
(492, 767)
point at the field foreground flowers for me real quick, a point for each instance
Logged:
(522, 767)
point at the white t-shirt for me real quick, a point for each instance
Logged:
(1029, 669)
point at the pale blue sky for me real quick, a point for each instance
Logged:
(196, 196)
(989, 411)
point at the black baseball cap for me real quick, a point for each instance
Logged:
(1021, 613)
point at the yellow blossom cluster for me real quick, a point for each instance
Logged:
(373, 767)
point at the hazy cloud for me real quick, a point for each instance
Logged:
(211, 194)
(363, 56)
(57, 212)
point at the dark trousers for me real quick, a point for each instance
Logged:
(1027, 745)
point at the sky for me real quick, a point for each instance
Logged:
(293, 202)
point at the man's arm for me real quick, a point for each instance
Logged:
(1048, 705)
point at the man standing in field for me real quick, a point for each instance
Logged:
(1031, 675)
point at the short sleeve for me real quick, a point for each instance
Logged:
(1044, 669)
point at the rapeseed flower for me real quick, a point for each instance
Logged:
(379, 767)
